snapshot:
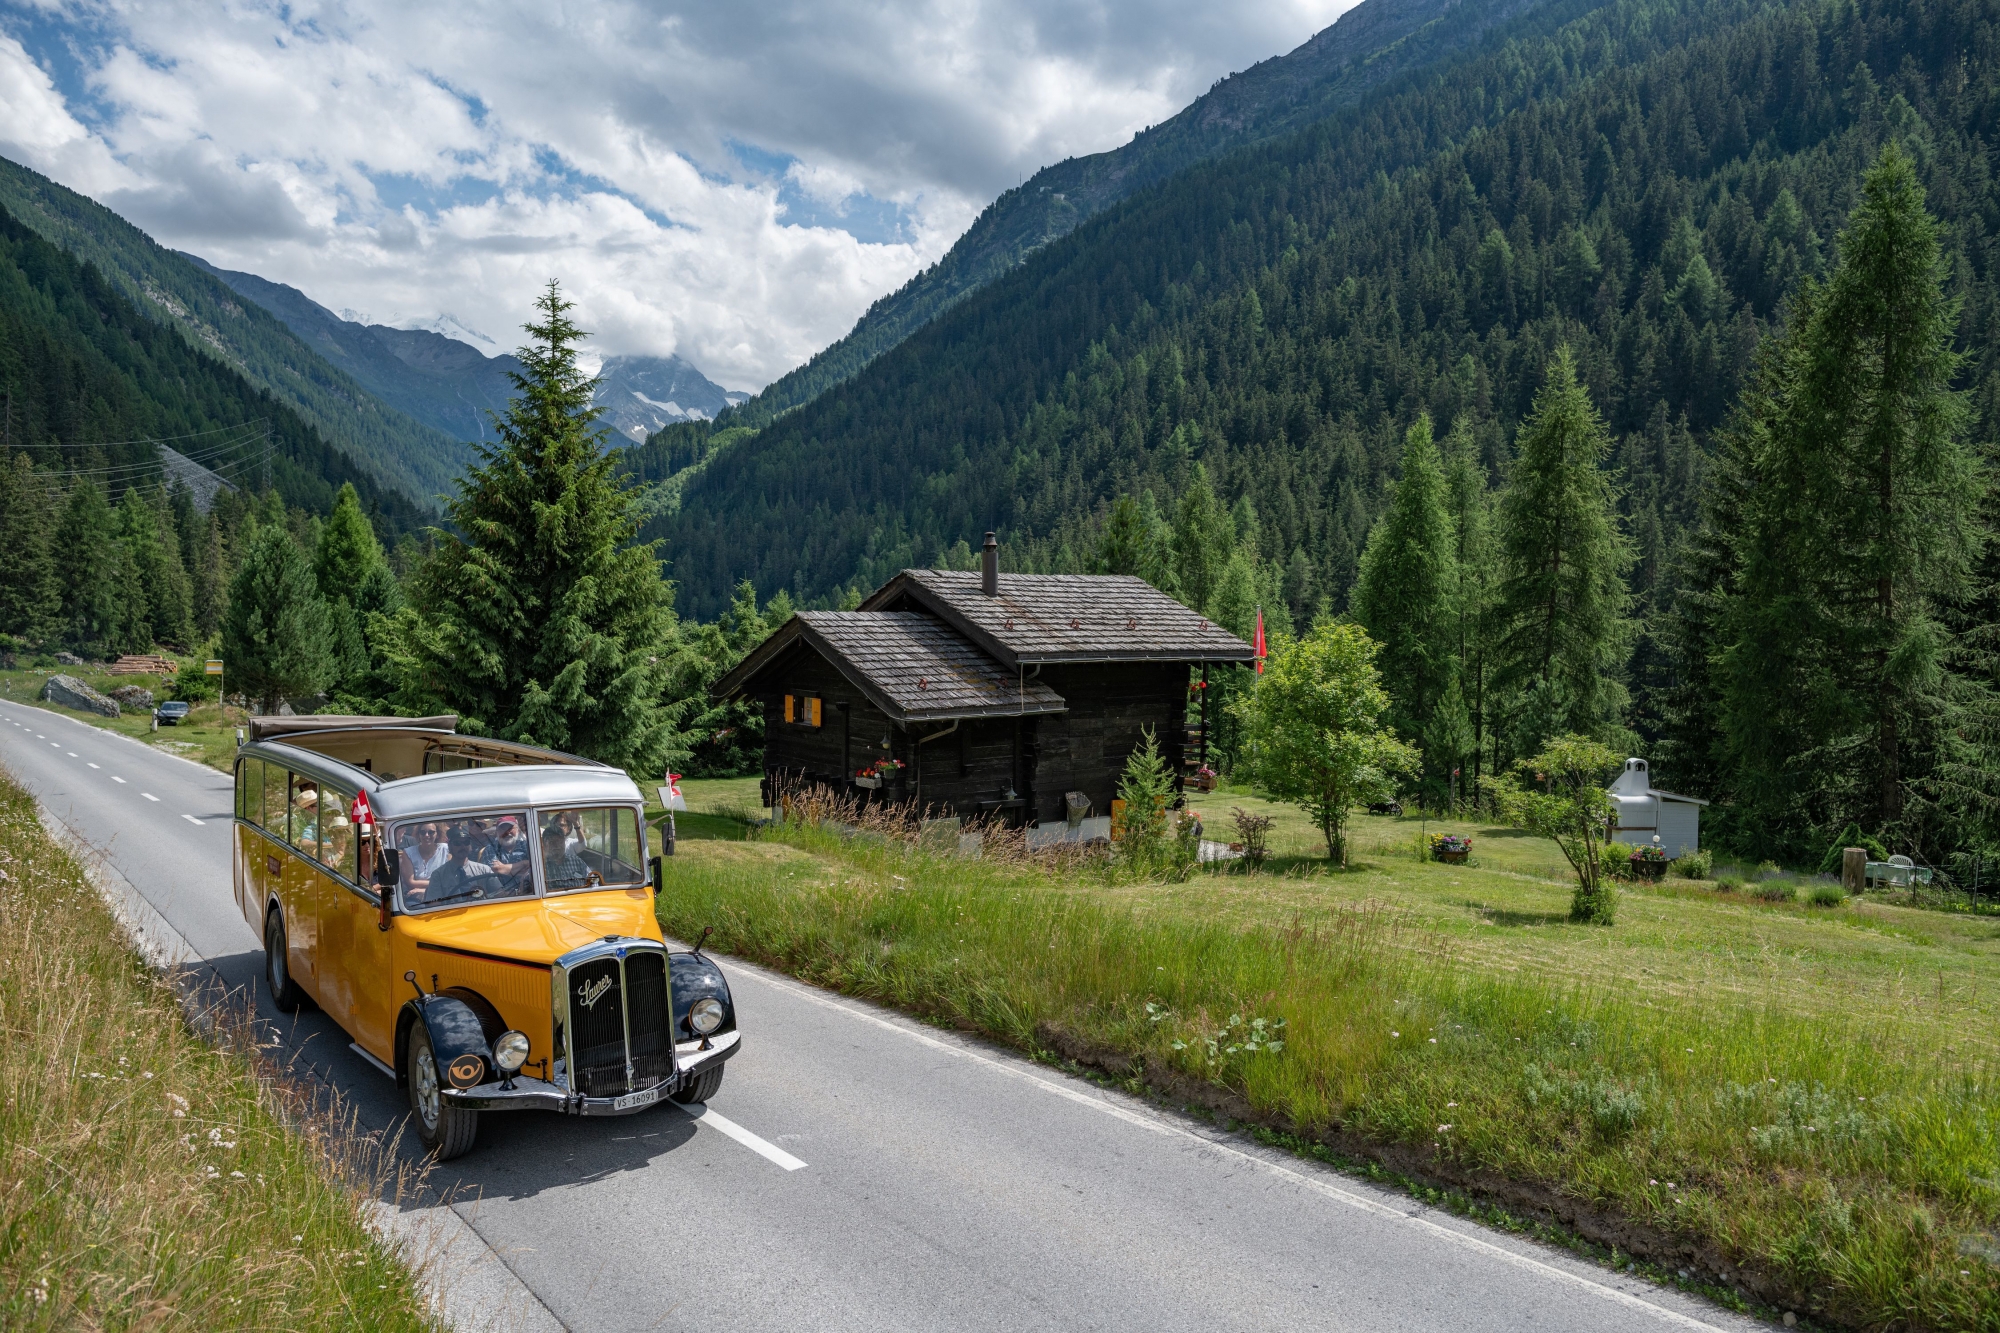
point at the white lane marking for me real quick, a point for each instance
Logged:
(769, 1151)
(116, 778)
(88, 762)
(192, 820)
(1350, 1198)
(55, 745)
(70, 753)
(149, 796)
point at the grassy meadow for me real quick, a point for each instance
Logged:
(150, 1178)
(1793, 1102)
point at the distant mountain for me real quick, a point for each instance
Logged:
(1369, 44)
(403, 452)
(438, 373)
(644, 394)
(92, 382)
(444, 382)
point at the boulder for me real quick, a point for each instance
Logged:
(73, 693)
(70, 659)
(133, 696)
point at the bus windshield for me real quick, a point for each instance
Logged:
(591, 848)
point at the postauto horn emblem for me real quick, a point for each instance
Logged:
(591, 992)
(465, 1071)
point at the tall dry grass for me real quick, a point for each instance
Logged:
(152, 1177)
(1853, 1168)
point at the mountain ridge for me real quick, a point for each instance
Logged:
(411, 457)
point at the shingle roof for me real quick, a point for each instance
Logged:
(1054, 618)
(915, 668)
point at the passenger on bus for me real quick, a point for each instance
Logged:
(563, 868)
(461, 876)
(509, 858)
(423, 852)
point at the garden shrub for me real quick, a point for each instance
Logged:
(1694, 865)
(1776, 890)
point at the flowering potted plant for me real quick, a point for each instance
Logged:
(878, 773)
(1451, 848)
(1204, 778)
(1648, 860)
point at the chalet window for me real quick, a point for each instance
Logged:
(804, 709)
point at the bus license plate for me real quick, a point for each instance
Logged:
(632, 1100)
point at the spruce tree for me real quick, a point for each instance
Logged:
(1201, 543)
(1860, 523)
(346, 555)
(156, 584)
(1563, 631)
(1403, 597)
(1133, 541)
(1471, 505)
(541, 618)
(27, 570)
(275, 637)
(89, 572)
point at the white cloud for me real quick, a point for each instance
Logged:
(735, 182)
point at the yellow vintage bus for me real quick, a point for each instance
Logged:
(476, 915)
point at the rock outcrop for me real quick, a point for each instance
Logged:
(70, 692)
(70, 659)
(133, 696)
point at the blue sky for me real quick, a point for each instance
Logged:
(733, 182)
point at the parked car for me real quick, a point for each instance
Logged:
(470, 910)
(171, 713)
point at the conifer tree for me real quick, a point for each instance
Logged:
(1403, 597)
(1133, 541)
(1860, 503)
(275, 638)
(27, 572)
(1561, 605)
(1471, 506)
(208, 580)
(540, 618)
(90, 598)
(155, 584)
(1201, 542)
(346, 555)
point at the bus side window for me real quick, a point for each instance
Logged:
(304, 833)
(273, 819)
(250, 790)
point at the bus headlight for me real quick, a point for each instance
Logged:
(706, 1015)
(510, 1051)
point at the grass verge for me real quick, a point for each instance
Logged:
(1831, 1155)
(150, 1178)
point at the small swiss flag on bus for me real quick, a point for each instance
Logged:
(1257, 645)
(363, 818)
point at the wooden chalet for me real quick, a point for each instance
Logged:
(1011, 695)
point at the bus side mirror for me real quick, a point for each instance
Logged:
(388, 867)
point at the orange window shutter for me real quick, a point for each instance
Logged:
(812, 715)
(789, 705)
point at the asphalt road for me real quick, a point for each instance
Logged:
(862, 1172)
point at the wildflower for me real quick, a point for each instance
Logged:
(1449, 1105)
(1434, 1041)
(1444, 1129)
(1395, 1034)
(236, 1175)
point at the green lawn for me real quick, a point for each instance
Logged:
(1805, 1093)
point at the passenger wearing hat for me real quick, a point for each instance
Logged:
(508, 855)
(461, 876)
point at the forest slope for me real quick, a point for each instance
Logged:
(89, 381)
(414, 458)
(1367, 45)
(1644, 181)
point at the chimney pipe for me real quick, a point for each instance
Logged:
(989, 567)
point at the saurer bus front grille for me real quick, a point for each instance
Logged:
(614, 1019)
(649, 1017)
(597, 1028)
